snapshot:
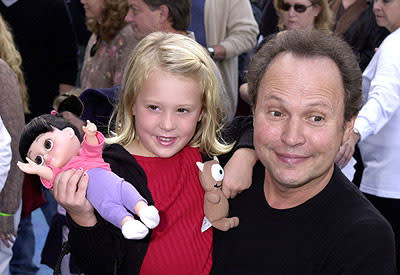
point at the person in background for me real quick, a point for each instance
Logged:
(14, 102)
(294, 15)
(301, 215)
(304, 14)
(377, 127)
(44, 36)
(7, 239)
(109, 46)
(226, 28)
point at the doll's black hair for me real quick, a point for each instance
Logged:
(40, 125)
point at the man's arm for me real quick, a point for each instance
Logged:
(242, 31)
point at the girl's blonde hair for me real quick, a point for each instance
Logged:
(10, 54)
(323, 22)
(113, 20)
(180, 55)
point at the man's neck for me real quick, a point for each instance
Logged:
(279, 196)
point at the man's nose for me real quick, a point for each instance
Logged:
(293, 132)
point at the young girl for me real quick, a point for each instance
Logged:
(168, 114)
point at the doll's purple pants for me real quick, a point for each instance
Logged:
(111, 195)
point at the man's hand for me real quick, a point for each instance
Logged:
(238, 172)
(347, 150)
(69, 190)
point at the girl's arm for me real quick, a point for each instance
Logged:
(90, 131)
(40, 170)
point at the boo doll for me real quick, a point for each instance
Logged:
(51, 145)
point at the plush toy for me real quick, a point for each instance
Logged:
(216, 205)
(51, 145)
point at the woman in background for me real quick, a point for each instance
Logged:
(14, 102)
(109, 46)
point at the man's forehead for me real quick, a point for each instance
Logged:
(302, 75)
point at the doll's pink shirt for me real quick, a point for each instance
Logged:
(90, 156)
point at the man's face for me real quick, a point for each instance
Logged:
(142, 19)
(298, 121)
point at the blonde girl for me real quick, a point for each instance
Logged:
(168, 117)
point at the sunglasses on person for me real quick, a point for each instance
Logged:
(297, 7)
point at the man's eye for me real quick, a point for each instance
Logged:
(48, 144)
(39, 160)
(317, 118)
(276, 114)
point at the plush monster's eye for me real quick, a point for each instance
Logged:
(217, 172)
(48, 144)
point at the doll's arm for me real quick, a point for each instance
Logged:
(33, 168)
(212, 197)
(90, 131)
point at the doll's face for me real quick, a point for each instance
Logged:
(54, 148)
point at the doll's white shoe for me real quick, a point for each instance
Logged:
(149, 216)
(134, 230)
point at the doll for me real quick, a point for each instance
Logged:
(216, 205)
(51, 145)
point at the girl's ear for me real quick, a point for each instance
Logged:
(202, 113)
(69, 131)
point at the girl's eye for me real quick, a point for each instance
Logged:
(182, 110)
(153, 107)
(39, 160)
(48, 144)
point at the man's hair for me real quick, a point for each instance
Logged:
(179, 12)
(40, 125)
(311, 44)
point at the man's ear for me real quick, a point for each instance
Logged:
(348, 129)
(69, 131)
(164, 14)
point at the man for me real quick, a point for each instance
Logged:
(147, 16)
(301, 215)
(227, 28)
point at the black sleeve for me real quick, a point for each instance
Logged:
(65, 51)
(95, 249)
(240, 132)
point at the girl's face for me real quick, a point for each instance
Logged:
(54, 148)
(166, 112)
(299, 14)
(387, 13)
(93, 9)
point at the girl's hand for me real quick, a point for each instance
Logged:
(90, 129)
(238, 172)
(69, 190)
